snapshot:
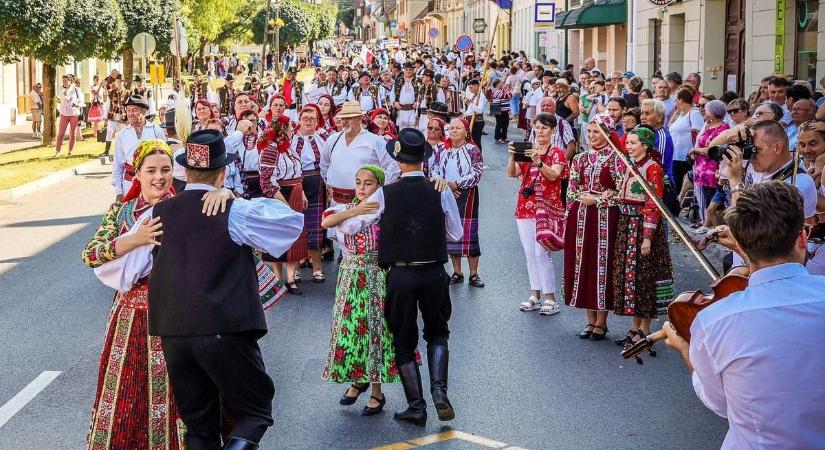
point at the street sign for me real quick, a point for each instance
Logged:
(143, 44)
(184, 47)
(545, 16)
(401, 33)
(463, 42)
(479, 25)
(433, 33)
(157, 74)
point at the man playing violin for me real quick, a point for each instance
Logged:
(756, 356)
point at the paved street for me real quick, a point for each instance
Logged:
(516, 379)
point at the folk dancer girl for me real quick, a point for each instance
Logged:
(642, 271)
(459, 162)
(590, 231)
(361, 351)
(281, 178)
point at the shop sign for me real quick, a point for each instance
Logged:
(661, 2)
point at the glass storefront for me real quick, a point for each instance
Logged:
(807, 27)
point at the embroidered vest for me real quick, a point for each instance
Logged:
(399, 83)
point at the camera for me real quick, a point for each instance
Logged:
(718, 151)
(528, 191)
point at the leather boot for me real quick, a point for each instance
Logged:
(438, 358)
(416, 411)
(236, 443)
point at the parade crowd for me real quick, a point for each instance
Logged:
(377, 162)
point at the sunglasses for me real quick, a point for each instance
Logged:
(434, 128)
(734, 110)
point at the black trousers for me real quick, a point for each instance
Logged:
(208, 370)
(502, 122)
(680, 169)
(410, 289)
(478, 128)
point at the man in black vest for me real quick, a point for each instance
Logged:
(204, 302)
(415, 224)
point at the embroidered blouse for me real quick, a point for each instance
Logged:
(118, 220)
(365, 241)
(550, 190)
(309, 147)
(276, 166)
(461, 165)
(594, 171)
(632, 194)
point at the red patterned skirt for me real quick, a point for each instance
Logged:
(134, 407)
(590, 234)
(292, 191)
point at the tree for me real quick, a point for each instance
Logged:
(66, 30)
(299, 23)
(146, 16)
(326, 21)
(207, 18)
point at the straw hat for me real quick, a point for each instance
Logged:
(350, 109)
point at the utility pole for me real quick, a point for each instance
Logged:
(266, 38)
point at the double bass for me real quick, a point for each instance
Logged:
(687, 305)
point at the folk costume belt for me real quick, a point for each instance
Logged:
(409, 107)
(289, 183)
(311, 173)
(341, 195)
(128, 172)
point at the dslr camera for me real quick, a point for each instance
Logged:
(718, 151)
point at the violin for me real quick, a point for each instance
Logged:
(687, 305)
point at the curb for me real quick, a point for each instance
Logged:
(15, 193)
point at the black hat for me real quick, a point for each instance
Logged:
(205, 150)
(408, 65)
(292, 69)
(410, 147)
(229, 77)
(364, 74)
(438, 108)
(137, 100)
(168, 119)
(138, 78)
(428, 73)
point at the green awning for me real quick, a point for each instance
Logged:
(596, 13)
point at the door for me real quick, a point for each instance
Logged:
(735, 47)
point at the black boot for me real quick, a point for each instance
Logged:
(106, 149)
(236, 443)
(416, 412)
(438, 358)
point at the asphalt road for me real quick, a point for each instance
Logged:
(517, 380)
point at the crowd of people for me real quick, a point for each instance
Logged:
(384, 161)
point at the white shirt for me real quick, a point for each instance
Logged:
(126, 142)
(340, 162)
(759, 361)
(70, 101)
(477, 103)
(367, 102)
(307, 153)
(455, 228)
(680, 132)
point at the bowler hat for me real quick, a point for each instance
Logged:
(138, 78)
(428, 73)
(137, 100)
(408, 65)
(229, 77)
(410, 146)
(205, 150)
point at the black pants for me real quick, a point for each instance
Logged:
(410, 289)
(208, 370)
(478, 128)
(502, 122)
(680, 169)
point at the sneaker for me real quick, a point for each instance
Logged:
(549, 307)
(702, 230)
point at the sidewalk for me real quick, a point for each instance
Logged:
(16, 137)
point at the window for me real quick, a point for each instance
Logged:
(807, 27)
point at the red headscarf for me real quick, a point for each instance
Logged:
(269, 106)
(440, 122)
(449, 144)
(373, 127)
(320, 117)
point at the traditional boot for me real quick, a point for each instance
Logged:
(438, 358)
(416, 412)
(106, 149)
(236, 443)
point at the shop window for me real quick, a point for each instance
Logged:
(807, 27)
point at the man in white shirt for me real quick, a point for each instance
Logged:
(347, 151)
(756, 356)
(404, 98)
(476, 105)
(127, 141)
(365, 93)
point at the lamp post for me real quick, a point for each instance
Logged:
(266, 39)
(277, 30)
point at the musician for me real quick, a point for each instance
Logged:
(404, 98)
(476, 104)
(293, 92)
(199, 88)
(366, 93)
(226, 97)
(428, 93)
(756, 357)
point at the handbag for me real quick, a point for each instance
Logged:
(550, 222)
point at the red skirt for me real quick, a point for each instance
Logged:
(590, 234)
(293, 191)
(134, 407)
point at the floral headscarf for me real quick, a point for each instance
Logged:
(604, 120)
(143, 150)
(645, 135)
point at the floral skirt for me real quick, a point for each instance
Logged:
(360, 345)
(134, 407)
(640, 283)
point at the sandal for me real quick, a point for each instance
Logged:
(318, 277)
(293, 288)
(627, 338)
(475, 281)
(456, 278)
(297, 276)
(549, 307)
(586, 333)
(370, 411)
(531, 304)
(598, 336)
(347, 400)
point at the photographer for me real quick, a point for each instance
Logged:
(755, 357)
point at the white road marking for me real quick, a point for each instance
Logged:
(23, 397)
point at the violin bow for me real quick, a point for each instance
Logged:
(703, 261)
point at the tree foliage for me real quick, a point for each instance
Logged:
(29, 25)
(149, 16)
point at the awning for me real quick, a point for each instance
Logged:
(595, 13)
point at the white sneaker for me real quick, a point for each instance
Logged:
(549, 307)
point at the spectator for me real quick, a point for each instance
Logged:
(738, 111)
(663, 95)
(694, 80)
(634, 88)
(653, 116)
(802, 111)
(674, 80)
(704, 168)
(777, 94)
(684, 128)
(36, 110)
(70, 102)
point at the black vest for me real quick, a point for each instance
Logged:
(202, 282)
(412, 225)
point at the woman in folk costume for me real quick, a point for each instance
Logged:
(361, 351)
(134, 407)
(380, 124)
(249, 157)
(590, 231)
(642, 270)
(328, 110)
(275, 109)
(458, 161)
(203, 112)
(281, 178)
(308, 143)
(435, 137)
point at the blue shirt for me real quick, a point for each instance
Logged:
(759, 360)
(663, 143)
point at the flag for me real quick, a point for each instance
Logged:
(503, 4)
(367, 56)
